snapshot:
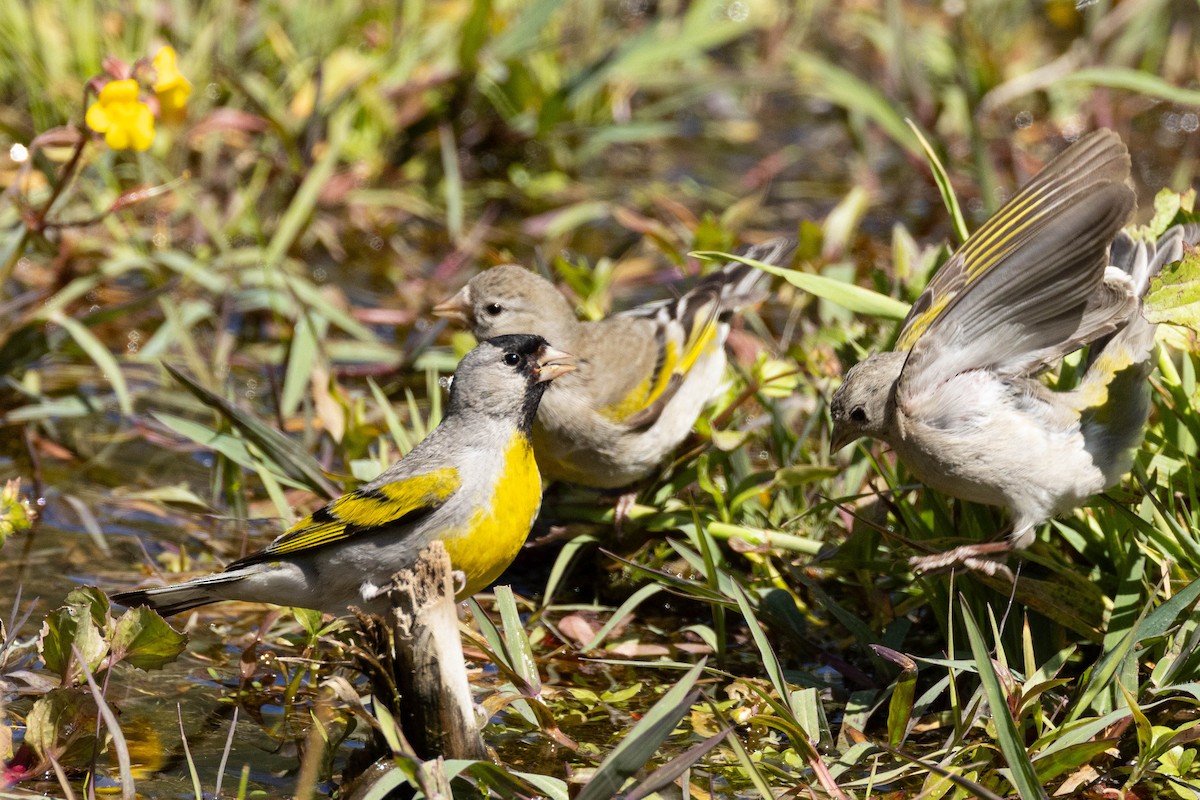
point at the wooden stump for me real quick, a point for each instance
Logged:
(436, 712)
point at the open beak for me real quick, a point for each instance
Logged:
(553, 363)
(457, 308)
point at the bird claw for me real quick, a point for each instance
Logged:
(459, 580)
(622, 510)
(987, 558)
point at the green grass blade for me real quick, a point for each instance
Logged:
(665, 775)
(1136, 81)
(305, 200)
(847, 295)
(516, 638)
(1024, 776)
(228, 445)
(943, 183)
(641, 743)
(99, 354)
(562, 563)
(845, 89)
(634, 600)
(400, 436)
(302, 359)
(291, 459)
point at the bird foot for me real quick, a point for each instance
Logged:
(622, 510)
(987, 558)
(370, 591)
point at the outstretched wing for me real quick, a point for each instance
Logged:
(401, 502)
(687, 329)
(1031, 284)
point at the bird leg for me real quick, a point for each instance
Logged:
(622, 509)
(986, 557)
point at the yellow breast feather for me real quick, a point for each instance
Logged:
(494, 534)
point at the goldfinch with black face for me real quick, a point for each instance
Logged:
(472, 483)
(643, 376)
(959, 400)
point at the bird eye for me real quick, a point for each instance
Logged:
(493, 309)
(512, 359)
(858, 414)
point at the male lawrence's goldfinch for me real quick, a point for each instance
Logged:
(959, 400)
(472, 483)
(643, 375)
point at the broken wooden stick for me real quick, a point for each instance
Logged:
(436, 711)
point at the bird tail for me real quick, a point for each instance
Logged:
(1113, 391)
(1142, 261)
(720, 294)
(168, 600)
(736, 285)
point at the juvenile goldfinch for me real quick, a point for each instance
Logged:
(959, 400)
(472, 483)
(643, 375)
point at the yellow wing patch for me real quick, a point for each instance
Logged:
(921, 322)
(673, 365)
(648, 390)
(1093, 395)
(364, 509)
(982, 251)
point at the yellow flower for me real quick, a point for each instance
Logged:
(171, 87)
(126, 122)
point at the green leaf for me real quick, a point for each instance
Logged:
(400, 436)
(842, 87)
(305, 199)
(303, 356)
(1134, 80)
(634, 600)
(145, 640)
(804, 474)
(516, 639)
(99, 354)
(1022, 774)
(1172, 208)
(509, 782)
(91, 598)
(1174, 295)
(901, 705)
(228, 445)
(67, 626)
(943, 183)
(665, 775)
(291, 459)
(847, 295)
(523, 32)
(1049, 766)
(641, 743)
(178, 493)
(58, 727)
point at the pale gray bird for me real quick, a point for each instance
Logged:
(472, 483)
(643, 375)
(959, 400)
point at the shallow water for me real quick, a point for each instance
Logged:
(112, 461)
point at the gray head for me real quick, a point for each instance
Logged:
(506, 377)
(863, 404)
(510, 299)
